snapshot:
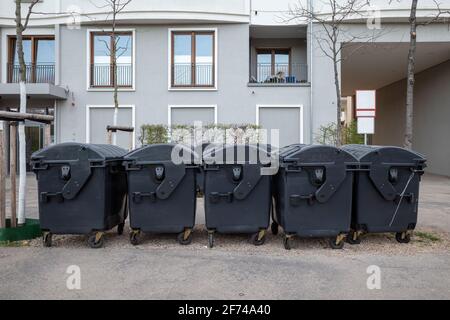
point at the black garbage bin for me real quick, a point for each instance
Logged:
(313, 193)
(162, 191)
(386, 191)
(237, 195)
(82, 190)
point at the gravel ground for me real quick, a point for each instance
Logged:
(371, 244)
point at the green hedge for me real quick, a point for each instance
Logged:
(218, 133)
(327, 134)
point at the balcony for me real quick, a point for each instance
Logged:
(278, 56)
(35, 73)
(280, 73)
(102, 75)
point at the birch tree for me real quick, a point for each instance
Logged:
(21, 26)
(114, 7)
(331, 19)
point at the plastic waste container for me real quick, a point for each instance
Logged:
(82, 190)
(386, 191)
(237, 195)
(313, 193)
(162, 191)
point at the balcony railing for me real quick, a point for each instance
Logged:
(280, 73)
(102, 75)
(35, 73)
(182, 74)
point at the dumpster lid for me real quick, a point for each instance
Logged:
(240, 153)
(386, 154)
(163, 152)
(315, 154)
(70, 151)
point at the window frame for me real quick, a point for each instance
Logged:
(90, 58)
(171, 53)
(12, 39)
(272, 59)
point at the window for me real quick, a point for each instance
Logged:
(102, 73)
(39, 55)
(193, 59)
(273, 64)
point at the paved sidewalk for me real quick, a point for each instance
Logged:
(34, 273)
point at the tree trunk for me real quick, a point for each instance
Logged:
(114, 67)
(23, 109)
(338, 89)
(411, 78)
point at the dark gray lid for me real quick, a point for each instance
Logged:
(162, 152)
(70, 151)
(314, 154)
(242, 153)
(388, 154)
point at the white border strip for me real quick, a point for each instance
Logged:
(299, 106)
(88, 119)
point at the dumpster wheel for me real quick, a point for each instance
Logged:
(185, 238)
(274, 228)
(135, 237)
(353, 237)
(120, 228)
(47, 239)
(259, 238)
(210, 239)
(96, 240)
(337, 242)
(403, 237)
(287, 241)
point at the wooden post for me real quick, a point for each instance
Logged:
(109, 137)
(13, 172)
(131, 141)
(2, 181)
(47, 135)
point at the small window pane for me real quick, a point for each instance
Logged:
(282, 62)
(182, 59)
(124, 59)
(204, 60)
(45, 61)
(101, 70)
(264, 66)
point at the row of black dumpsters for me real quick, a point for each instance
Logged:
(317, 191)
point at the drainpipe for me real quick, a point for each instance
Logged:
(311, 50)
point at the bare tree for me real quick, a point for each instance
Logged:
(332, 20)
(115, 51)
(411, 78)
(21, 26)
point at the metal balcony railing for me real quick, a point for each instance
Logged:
(182, 74)
(279, 73)
(35, 73)
(102, 75)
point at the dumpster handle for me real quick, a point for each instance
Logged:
(45, 196)
(137, 196)
(214, 197)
